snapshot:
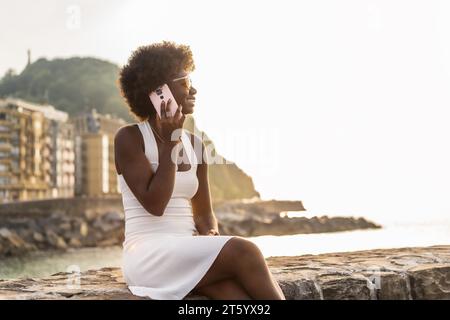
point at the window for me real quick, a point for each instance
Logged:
(4, 180)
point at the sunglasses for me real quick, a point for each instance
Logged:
(187, 81)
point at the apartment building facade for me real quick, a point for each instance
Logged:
(95, 173)
(37, 157)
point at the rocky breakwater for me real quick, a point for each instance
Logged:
(24, 232)
(404, 274)
(19, 235)
(258, 218)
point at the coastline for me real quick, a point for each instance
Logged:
(51, 225)
(44, 263)
(404, 274)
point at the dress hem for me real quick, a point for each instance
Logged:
(153, 293)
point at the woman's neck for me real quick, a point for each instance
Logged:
(155, 123)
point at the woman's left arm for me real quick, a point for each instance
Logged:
(204, 218)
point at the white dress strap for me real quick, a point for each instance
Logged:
(151, 150)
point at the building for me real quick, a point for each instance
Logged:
(37, 158)
(95, 173)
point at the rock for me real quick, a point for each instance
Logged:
(106, 225)
(57, 229)
(12, 244)
(302, 289)
(55, 240)
(258, 207)
(65, 226)
(75, 243)
(106, 283)
(253, 226)
(84, 229)
(113, 216)
(91, 214)
(38, 237)
(12, 237)
(393, 286)
(258, 218)
(430, 281)
(373, 274)
(102, 225)
(337, 287)
(109, 242)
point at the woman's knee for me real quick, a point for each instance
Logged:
(241, 248)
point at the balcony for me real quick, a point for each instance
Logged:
(4, 128)
(5, 146)
(5, 173)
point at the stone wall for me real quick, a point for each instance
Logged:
(66, 206)
(404, 274)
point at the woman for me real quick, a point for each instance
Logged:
(172, 244)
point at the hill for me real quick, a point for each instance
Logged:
(76, 85)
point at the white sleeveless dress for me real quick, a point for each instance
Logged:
(162, 258)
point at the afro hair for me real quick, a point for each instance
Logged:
(149, 67)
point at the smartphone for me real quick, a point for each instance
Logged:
(163, 93)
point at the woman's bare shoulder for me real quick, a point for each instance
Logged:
(128, 137)
(126, 142)
(128, 134)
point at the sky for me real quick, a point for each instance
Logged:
(341, 104)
